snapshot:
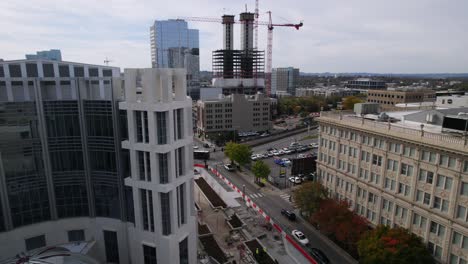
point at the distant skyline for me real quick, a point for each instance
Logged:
(418, 36)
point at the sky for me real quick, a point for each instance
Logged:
(379, 36)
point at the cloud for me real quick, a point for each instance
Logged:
(338, 35)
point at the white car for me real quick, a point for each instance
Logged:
(195, 147)
(254, 157)
(228, 167)
(286, 161)
(313, 145)
(281, 152)
(300, 237)
(296, 180)
(275, 153)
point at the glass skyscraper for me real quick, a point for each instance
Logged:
(174, 45)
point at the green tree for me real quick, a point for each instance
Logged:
(309, 196)
(239, 153)
(260, 170)
(392, 245)
(350, 101)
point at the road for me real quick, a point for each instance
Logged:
(272, 200)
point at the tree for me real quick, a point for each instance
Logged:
(336, 220)
(260, 170)
(309, 196)
(392, 245)
(348, 102)
(239, 153)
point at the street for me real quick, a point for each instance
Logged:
(272, 200)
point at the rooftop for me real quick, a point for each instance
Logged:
(398, 128)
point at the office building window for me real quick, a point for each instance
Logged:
(406, 170)
(377, 160)
(419, 221)
(181, 204)
(461, 213)
(392, 165)
(76, 235)
(78, 71)
(426, 176)
(141, 118)
(183, 251)
(454, 259)
(144, 166)
(161, 121)
(15, 70)
(437, 229)
(180, 157)
(149, 255)
(111, 246)
(163, 168)
(64, 71)
(35, 242)
(460, 240)
(441, 204)
(31, 70)
(147, 209)
(435, 250)
(178, 123)
(48, 69)
(165, 213)
(444, 182)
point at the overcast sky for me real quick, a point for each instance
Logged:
(397, 36)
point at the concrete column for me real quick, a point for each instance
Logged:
(130, 89)
(180, 82)
(150, 86)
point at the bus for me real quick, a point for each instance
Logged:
(201, 154)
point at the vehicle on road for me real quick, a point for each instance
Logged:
(314, 145)
(270, 154)
(294, 144)
(319, 256)
(228, 167)
(206, 145)
(275, 152)
(296, 180)
(195, 147)
(286, 162)
(300, 237)
(290, 215)
(201, 154)
(287, 151)
(281, 152)
(254, 157)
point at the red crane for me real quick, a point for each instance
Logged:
(270, 27)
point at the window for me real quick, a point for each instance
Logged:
(444, 182)
(392, 165)
(183, 251)
(437, 229)
(419, 221)
(401, 212)
(423, 197)
(441, 204)
(465, 166)
(461, 213)
(377, 160)
(404, 189)
(379, 143)
(35, 242)
(387, 205)
(409, 152)
(460, 240)
(426, 176)
(389, 184)
(149, 255)
(447, 161)
(180, 157)
(141, 119)
(428, 156)
(76, 235)
(181, 205)
(161, 121)
(375, 178)
(111, 246)
(144, 167)
(464, 189)
(365, 156)
(371, 198)
(395, 147)
(48, 69)
(178, 123)
(147, 213)
(165, 213)
(406, 170)
(163, 168)
(454, 259)
(435, 250)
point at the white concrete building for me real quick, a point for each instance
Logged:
(160, 143)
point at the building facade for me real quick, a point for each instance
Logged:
(284, 80)
(393, 97)
(366, 83)
(236, 112)
(62, 168)
(326, 92)
(175, 45)
(399, 175)
(53, 54)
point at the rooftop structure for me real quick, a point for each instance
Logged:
(366, 83)
(393, 97)
(326, 92)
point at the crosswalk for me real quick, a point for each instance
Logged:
(286, 197)
(256, 195)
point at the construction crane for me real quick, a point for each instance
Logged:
(270, 27)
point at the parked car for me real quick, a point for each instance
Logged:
(296, 180)
(254, 157)
(314, 145)
(195, 147)
(286, 162)
(275, 153)
(206, 145)
(270, 154)
(300, 237)
(278, 161)
(287, 151)
(281, 152)
(228, 167)
(319, 256)
(290, 215)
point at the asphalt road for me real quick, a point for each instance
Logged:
(272, 200)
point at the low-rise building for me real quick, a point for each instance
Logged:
(236, 112)
(326, 92)
(399, 169)
(393, 97)
(366, 83)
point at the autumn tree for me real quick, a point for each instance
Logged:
(392, 245)
(309, 196)
(335, 220)
(260, 170)
(239, 153)
(350, 101)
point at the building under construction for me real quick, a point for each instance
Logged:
(239, 71)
